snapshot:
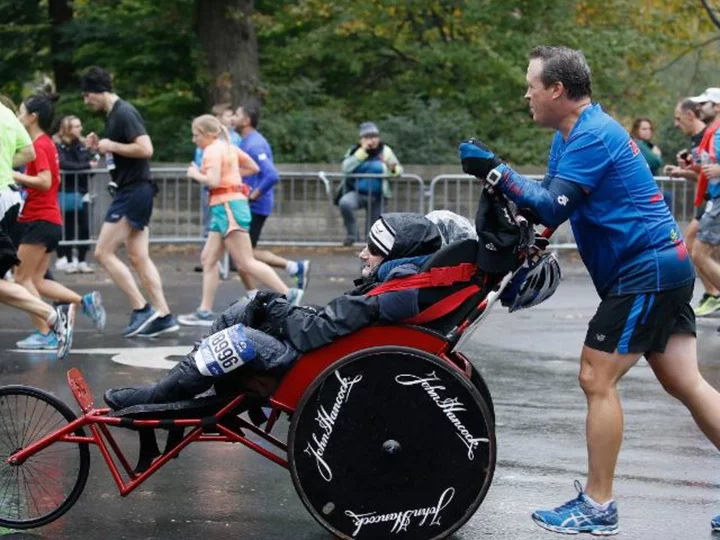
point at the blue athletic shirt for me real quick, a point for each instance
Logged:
(625, 233)
(257, 147)
(713, 188)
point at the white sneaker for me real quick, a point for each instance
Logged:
(61, 263)
(72, 268)
(85, 268)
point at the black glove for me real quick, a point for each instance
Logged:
(374, 151)
(476, 158)
(256, 311)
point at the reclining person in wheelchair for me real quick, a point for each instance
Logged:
(268, 334)
(250, 346)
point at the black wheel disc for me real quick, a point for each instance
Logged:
(392, 443)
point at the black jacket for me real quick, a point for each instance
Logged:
(74, 157)
(309, 327)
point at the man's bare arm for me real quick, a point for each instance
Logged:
(140, 148)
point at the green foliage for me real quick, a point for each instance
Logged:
(429, 72)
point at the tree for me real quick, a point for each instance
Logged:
(226, 30)
(61, 14)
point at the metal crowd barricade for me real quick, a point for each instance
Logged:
(302, 210)
(460, 193)
(407, 195)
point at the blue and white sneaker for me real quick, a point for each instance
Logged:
(579, 516)
(63, 329)
(160, 325)
(715, 523)
(92, 306)
(139, 319)
(39, 342)
(303, 274)
(295, 296)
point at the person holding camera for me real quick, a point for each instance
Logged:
(128, 149)
(370, 156)
(690, 119)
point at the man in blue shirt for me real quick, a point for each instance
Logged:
(261, 197)
(637, 260)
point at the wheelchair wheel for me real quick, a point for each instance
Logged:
(392, 442)
(47, 484)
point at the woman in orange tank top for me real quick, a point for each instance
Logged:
(223, 167)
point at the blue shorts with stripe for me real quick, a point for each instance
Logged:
(641, 323)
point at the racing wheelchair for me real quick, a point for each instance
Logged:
(391, 431)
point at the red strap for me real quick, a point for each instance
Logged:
(444, 306)
(436, 277)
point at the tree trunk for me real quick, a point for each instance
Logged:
(226, 31)
(61, 13)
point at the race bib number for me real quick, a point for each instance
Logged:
(224, 351)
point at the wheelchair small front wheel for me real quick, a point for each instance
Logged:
(392, 442)
(47, 484)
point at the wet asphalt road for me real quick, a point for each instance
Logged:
(668, 480)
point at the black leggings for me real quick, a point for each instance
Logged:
(82, 233)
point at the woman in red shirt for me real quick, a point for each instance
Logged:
(39, 227)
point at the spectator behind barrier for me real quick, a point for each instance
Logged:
(642, 132)
(369, 156)
(74, 198)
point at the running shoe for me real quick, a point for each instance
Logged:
(199, 317)
(295, 296)
(64, 326)
(579, 515)
(303, 274)
(715, 523)
(160, 325)
(72, 267)
(85, 268)
(139, 319)
(39, 342)
(61, 263)
(92, 306)
(709, 304)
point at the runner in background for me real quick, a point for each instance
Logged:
(222, 166)
(262, 185)
(16, 149)
(128, 149)
(39, 227)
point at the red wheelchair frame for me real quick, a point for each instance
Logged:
(285, 399)
(224, 423)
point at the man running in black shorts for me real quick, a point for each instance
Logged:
(128, 149)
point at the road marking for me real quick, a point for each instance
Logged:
(144, 357)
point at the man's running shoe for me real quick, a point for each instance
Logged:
(199, 317)
(139, 319)
(160, 325)
(303, 274)
(92, 306)
(708, 305)
(39, 342)
(295, 296)
(715, 523)
(64, 326)
(579, 516)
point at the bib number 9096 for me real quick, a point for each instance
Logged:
(224, 351)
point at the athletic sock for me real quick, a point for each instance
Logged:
(292, 267)
(52, 319)
(251, 293)
(597, 505)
